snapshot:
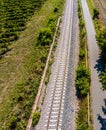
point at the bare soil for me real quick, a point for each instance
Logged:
(101, 5)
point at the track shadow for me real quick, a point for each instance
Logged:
(99, 65)
(101, 119)
(102, 122)
(104, 107)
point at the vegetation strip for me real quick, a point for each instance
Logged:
(101, 39)
(82, 76)
(35, 106)
(16, 110)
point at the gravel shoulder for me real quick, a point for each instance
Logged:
(98, 95)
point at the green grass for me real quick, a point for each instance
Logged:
(82, 123)
(91, 6)
(35, 118)
(21, 69)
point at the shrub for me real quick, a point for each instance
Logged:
(81, 24)
(82, 54)
(83, 34)
(83, 126)
(35, 118)
(52, 23)
(82, 85)
(12, 122)
(101, 38)
(21, 125)
(82, 71)
(56, 9)
(45, 37)
(82, 80)
(103, 79)
(95, 13)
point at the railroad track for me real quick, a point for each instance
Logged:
(53, 119)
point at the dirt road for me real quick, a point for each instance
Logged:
(98, 95)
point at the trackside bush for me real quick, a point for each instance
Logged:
(45, 37)
(52, 23)
(101, 38)
(82, 80)
(103, 79)
(12, 122)
(82, 85)
(95, 13)
(82, 54)
(82, 71)
(35, 118)
(56, 9)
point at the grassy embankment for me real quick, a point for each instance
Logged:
(22, 67)
(101, 39)
(82, 76)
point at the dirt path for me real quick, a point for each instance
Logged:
(98, 95)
